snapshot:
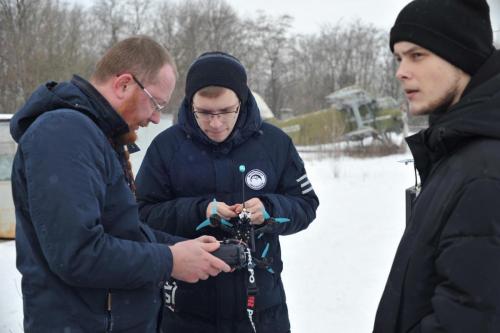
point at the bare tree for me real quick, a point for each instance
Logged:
(109, 19)
(191, 28)
(40, 41)
(49, 40)
(273, 46)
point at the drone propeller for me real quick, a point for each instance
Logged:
(269, 219)
(214, 220)
(265, 262)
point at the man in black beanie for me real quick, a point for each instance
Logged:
(190, 179)
(446, 272)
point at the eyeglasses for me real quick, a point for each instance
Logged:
(226, 115)
(157, 106)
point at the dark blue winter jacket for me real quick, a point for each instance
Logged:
(184, 170)
(87, 263)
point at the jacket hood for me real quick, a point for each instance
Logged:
(77, 94)
(476, 115)
(248, 124)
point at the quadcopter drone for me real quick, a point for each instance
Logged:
(238, 248)
(241, 234)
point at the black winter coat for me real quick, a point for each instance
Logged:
(183, 171)
(446, 273)
(87, 263)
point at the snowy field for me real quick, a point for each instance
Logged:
(335, 271)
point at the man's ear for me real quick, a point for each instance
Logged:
(122, 85)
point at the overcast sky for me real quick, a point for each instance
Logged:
(310, 14)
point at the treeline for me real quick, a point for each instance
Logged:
(43, 40)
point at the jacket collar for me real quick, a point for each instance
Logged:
(476, 115)
(106, 117)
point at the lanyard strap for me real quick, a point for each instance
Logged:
(252, 289)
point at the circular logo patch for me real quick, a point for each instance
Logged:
(256, 179)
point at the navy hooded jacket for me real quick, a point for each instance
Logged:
(87, 263)
(184, 170)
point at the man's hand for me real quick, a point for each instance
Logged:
(224, 211)
(193, 261)
(256, 208)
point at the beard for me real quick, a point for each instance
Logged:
(450, 97)
(127, 111)
(445, 102)
(127, 138)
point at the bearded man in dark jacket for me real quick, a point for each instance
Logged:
(87, 262)
(446, 273)
(196, 162)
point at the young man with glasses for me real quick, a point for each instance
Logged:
(87, 262)
(191, 170)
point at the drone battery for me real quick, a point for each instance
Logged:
(232, 254)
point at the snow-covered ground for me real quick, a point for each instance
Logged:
(335, 271)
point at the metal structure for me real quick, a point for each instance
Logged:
(7, 152)
(495, 20)
(363, 114)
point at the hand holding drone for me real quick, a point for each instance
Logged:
(241, 233)
(238, 248)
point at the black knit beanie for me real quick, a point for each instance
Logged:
(217, 69)
(458, 31)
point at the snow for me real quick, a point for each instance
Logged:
(335, 271)
(11, 304)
